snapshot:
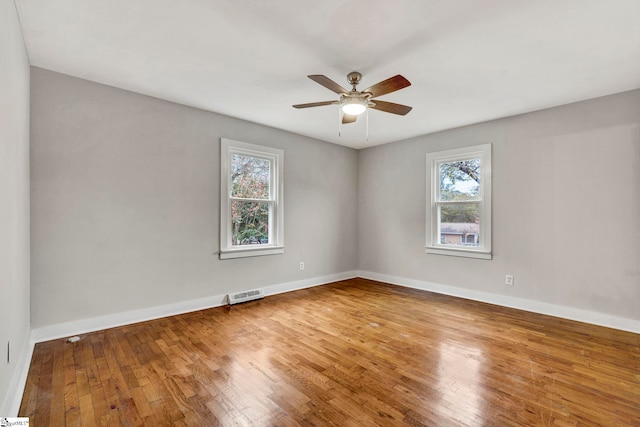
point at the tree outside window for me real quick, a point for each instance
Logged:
(250, 199)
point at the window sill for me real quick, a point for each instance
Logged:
(465, 253)
(250, 252)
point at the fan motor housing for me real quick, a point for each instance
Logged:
(354, 78)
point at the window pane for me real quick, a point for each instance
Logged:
(249, 223)
(460, 180)
(250, 177)
(460, 224)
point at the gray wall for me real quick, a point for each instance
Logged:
(14, 203)
(566, 207)
(125, 200)
(125, 203)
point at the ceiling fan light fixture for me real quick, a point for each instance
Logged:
(353, 105)
(354, 102)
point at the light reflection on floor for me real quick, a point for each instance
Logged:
(459, 382)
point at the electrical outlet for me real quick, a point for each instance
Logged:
(508, 280)
(301, 265)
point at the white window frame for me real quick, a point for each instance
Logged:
(433, 244)
(229, 147)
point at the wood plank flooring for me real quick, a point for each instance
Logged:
(351, 353)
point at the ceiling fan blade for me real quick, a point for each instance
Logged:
(328, 83)
(390, 107)
(348, 118)
(387, 86)
(315, 104)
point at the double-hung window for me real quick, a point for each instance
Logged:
(251, 200)
(459, 202)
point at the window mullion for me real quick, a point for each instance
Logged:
(247, 199)
(457, 202)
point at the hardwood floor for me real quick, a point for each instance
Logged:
(351, 353)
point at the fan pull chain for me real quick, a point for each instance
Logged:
(367, 114)
(339, 122)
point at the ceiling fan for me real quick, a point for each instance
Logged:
(353, 102)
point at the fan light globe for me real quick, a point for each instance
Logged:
(353, 107)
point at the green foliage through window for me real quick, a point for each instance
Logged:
(250, 178)
(463, 212)
(460, 190)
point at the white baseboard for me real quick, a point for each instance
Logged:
(580, 315)
(11, 405)
(83, 326)
(309, 283)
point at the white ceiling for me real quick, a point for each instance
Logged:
(468, 60)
